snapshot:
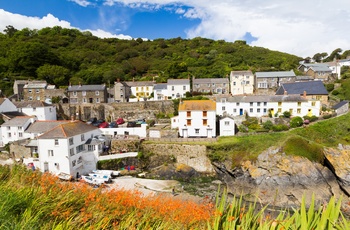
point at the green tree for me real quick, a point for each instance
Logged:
(53, 74)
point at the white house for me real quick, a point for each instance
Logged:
(42, 110)
(14, 129)
(242, 82)
(177, 88)
(7, 106)
(160, 91)
(227, 126)
(70, 148)
(125, 131)
(268, 105)
(197, 118)
(140, 89)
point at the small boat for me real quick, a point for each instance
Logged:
(111, 173)
(65, 176)
(104, 177)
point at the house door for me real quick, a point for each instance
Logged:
(240, 112)
(309, 113)
(209, 133)
(272, 112)
(46, 166)
(184, 133)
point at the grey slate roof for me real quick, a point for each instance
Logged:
(275, 74)
(320, 68)
(310, 87)
(17, 121)
(35, 86)
(44, 126)
(31, 104)
(70, 129)
(340, 104)
(86, 88)
(265, 98)
(13, 114)
(178, 81)
(240, 73)
(139, 83)
(160, 86)
(210, 80)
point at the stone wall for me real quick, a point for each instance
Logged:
(194, 156)
(112, 111)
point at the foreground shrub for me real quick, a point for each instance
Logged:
(296, 122)
(279, 128)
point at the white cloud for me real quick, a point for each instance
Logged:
(83, 3)
(19, 22)
(297, 27)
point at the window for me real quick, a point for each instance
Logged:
(223, 108)
(234, 83)
(82, 137)
(137, 88)
(291, 111)
(251, 110)
(97, 100)
(196, 131)
(172, 88)
(298, 111)
(299, 103)
(147, 88)
(237, 104)
(188, 113)
(74, 163)
(313, 103)
(71, 141)
(227, 123)
(142, 88)
(205, 113)
(262, 85)
(265, 103)
(74, 93)
(188, 122)
(265, 110)
(19, 127)
(29, 91)
(50, 152)
(251, 103)
(184, 87)
(247, 82)
(8, 128)
(80, 148)
(37, 91)
(20, 134)
(71, 152)
(258, 103)
(97, 93)
(213, 84)
(258, 110)
(80, 160)
(83, 93)
(84, 100)
(234, 110)
(279, 110)
(197, 85)
(9, 135)
(91, 147)
(34, 109)
(279, 103)
(318, 97)
(205, 122)
(56, 142)
(50, 109)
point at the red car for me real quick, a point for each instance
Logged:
(120, 121)
(103, 125)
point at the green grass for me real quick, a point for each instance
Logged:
(307, 142)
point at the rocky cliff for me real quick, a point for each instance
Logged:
(280, 180)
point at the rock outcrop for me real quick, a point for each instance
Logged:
(338, 160)
(280, 180)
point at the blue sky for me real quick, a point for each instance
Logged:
(297, 27)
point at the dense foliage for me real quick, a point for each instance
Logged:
(61, 55)
(31, 200)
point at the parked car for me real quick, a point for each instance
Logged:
(140, 121)
(103, 125)
(91, 120)
(113, 124)
(98, 122)
(120, 121)
(131, 124)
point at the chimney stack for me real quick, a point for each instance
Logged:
(285, 92)
(304, 94)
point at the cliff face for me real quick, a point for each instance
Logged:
(281, 180)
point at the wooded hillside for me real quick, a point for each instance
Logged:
(60, 56)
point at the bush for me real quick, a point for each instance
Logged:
(327, 116)
(296, 122)
(243, 128)
(268, 125)
(279, 128)
(311, 119)
(287, 114)
(330, 87)
(254, 126)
